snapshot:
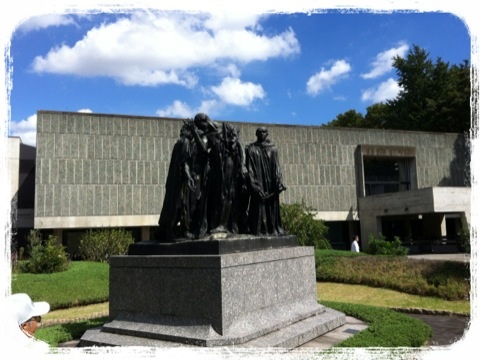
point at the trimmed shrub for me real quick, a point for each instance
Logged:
(380, 246)
(46, 256)
(99, 245)
(448, 280)
(298, 220)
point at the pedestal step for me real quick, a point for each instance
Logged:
(300, 332)
(288, 337)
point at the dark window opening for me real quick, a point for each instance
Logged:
(386, 175)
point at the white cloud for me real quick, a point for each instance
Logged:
(165, 48)
(324, 79)
(387, 90)
(182, 110)
(235, 92)
(45, 21)
(85, 111)
(25, 130)
(383, 61)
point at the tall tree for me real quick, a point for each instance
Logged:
(434, 96)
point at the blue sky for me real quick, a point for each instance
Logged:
(237, 66)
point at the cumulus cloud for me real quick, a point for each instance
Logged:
(45, 21)
(25, 130)
(387, 90)
(182, 110)
(326, 78)
(383, 61)
(233, 91)
(149, 49)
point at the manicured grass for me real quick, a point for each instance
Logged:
(444, 279)
(361, 294)
(387, 328)
(54, 335)
(83, 283)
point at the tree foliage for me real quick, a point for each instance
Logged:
(46, 256)
(350, 118)
(99, 245)
(298, 220)
(434, 96)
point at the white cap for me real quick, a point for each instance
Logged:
(23, 308)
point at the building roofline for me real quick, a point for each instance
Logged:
(249, 123)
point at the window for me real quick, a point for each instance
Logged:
(386, 175)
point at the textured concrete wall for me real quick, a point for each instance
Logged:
(110, 165)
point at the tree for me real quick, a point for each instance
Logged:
(377, 116)
(298, 220)
(350, 118)
(46, 255)
(434, 96)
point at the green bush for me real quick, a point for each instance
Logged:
(298, 220)
(380, 246)
(99, 245)
(46, 256)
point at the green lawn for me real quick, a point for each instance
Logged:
(82, 284)
(366, 295)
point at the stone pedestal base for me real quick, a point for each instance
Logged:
(258, 298)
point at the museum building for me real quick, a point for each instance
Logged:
(92, 170)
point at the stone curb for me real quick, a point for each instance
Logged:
(428, 312)
(53, 322)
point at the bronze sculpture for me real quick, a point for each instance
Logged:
(215, 185)
(266, 184)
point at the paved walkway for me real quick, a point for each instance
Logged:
(451, 257)
(446, 329)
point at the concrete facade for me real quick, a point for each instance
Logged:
(21, 170)
(102, 170)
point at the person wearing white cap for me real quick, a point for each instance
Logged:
(28, 315)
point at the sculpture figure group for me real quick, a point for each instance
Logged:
(215, 185)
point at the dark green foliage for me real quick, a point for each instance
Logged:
(46, 256)
(444, 279)
(298, 220)
(350, 118)
(53, 335)
(380, 246)
(465, 239)
(82, 284)
(435, 96)
(99, 245)
(387, 328)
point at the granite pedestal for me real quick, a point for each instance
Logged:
(215, 295)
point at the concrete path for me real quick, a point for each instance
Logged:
(450, 257)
